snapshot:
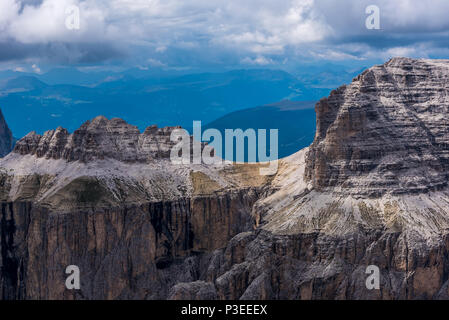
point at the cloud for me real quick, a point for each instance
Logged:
(258, 32)
(36, 68)
(260, 60)
(334, 55)
(155, 63)
(59, 52)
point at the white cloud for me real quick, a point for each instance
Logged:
(334, 55)
(425, 15)
(251, 28)
(36, 69)
(161, 49)
(292, 23)
(155, 63)
(348, 16)
(46, 23)
(8, 12)
(260, 60)
(252, 25)
(401, 52)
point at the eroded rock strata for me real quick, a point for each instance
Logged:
(370, 190)
(99, 139)
(385, 133)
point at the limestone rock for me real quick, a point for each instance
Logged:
(385, 133)
(99, 139)
(198, 290)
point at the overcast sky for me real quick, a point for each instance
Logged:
(195, 33)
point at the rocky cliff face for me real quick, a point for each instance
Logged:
(6, 138)
(109, 200)
(385, 133)
(371, 190)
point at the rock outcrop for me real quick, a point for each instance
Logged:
(6, 138)
(99, 139)
(370, 190)
(385, 133)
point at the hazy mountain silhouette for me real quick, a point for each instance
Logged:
(31, 104)
(295, 120)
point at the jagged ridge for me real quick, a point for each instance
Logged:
(99, 139)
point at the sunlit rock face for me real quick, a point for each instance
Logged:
(385, 133)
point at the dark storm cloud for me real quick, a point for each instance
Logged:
(12, 50)
(379, 40)
(59, 52)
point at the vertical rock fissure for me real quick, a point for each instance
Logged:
(10, 264)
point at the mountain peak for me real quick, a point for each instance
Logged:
(386, 132)
(99, 119)
(99, 138)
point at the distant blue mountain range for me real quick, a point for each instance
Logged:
(295, 121)
(38, 102)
